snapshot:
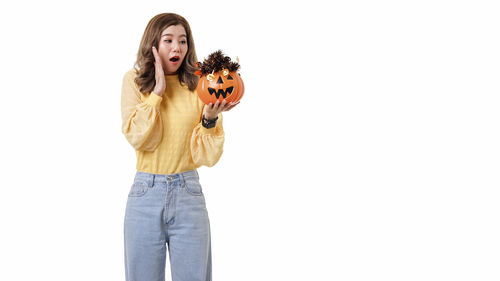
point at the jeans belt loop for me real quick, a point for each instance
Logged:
(183, 180)
(151, 180)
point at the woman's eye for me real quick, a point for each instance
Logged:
(170, 41)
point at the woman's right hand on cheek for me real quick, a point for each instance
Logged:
(159, 76)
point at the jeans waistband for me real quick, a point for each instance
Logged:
(150, 179)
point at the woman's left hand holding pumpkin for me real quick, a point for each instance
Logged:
(211, 111)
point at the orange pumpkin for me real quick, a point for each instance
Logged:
(219, 86)
(219, 79)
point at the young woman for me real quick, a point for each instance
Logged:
(173, 133)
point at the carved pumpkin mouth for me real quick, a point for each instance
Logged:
(221, 92)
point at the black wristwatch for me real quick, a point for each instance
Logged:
(209, 123)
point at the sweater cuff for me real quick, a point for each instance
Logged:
(154, 100)
(210, 131)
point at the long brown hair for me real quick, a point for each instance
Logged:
(145, 59)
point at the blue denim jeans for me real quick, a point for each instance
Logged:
(167, 210)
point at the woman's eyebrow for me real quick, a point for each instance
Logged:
(172, 35)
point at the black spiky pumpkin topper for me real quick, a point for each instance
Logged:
(215, 62)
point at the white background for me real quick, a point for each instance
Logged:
(366, 146)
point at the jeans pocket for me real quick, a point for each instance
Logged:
(138, 189)
(193, 187)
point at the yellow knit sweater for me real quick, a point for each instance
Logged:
(166, 131)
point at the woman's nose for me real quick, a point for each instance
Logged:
(176, 47)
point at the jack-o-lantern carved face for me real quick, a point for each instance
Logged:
(220, 84)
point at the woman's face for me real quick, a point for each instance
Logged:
(173, 43)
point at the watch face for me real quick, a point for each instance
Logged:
(208, 124)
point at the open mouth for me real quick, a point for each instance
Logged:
(221, 92)
(174, 59)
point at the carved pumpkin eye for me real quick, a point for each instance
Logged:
(219, 81)
(229, 77)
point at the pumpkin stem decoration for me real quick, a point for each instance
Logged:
(219, 79)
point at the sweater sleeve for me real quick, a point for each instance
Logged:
(207, 144)
(141, 120)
